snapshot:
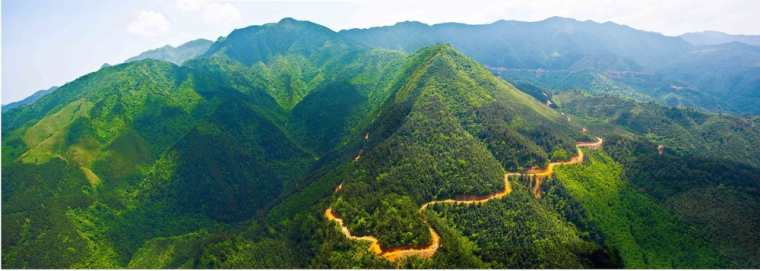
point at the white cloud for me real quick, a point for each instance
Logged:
(149, 24)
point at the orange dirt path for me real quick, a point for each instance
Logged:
(394, 254)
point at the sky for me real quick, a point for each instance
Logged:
(50, 42)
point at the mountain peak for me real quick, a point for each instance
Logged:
(287, 20)
(260, 42)
(442, 49)
(292, 22)
(558, 19)
(411, 23)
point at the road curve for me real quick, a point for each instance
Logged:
(427, 251)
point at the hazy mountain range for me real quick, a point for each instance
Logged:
(715, 38)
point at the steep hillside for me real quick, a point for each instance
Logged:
(98, 132)
(431, 142)
(216, 141)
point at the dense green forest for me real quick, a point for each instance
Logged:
(229, 157)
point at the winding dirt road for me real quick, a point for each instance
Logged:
(394, 254)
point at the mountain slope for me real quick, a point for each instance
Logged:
(194, 146)
(422, 146)
(97, 133)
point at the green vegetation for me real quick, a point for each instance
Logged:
(423, 148)
(681, 130)
(634, 225)
(230, 159)
(518, 232)
(706, 175)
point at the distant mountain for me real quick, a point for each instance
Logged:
(715, 38)
(728, 74)
(560, 54)
(176, 55)
(28, 100)
(553, 43)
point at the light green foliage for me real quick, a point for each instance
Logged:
(644, 233)
(169, 252)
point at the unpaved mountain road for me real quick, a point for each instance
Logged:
(427, 251)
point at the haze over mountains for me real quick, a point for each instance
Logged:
(715, 38)
(226, 154)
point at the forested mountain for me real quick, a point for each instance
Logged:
(566, 54)
(176, 55)
(257, 151)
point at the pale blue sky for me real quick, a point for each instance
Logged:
(51, 42)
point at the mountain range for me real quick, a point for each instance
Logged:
(564, 54)
(176, 55)
(708, 70)
(290, 145)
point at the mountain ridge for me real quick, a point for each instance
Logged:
(176, 55)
